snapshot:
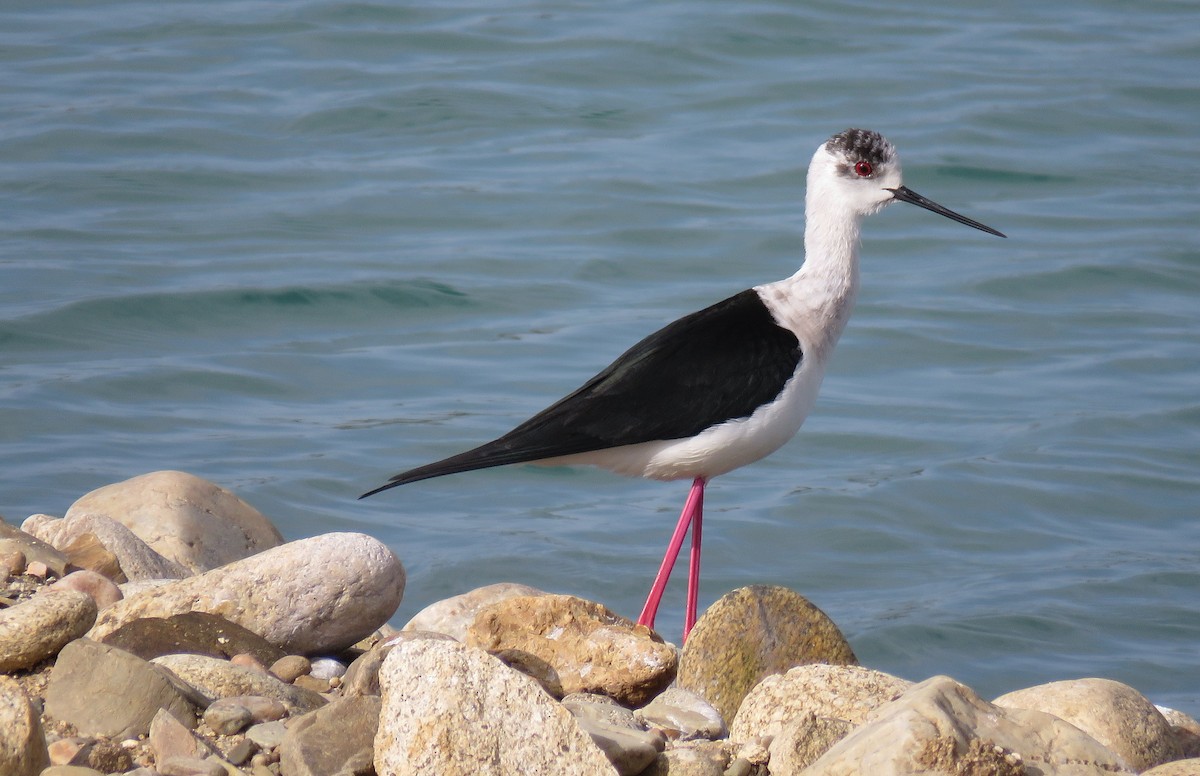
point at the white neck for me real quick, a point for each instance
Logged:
(816, 301)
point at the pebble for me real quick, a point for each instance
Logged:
(39, 627)
(102, 589)
(267, 735)
(327, 668)
(186, 519)
(312, 596)
(291, 667)
(22, 742)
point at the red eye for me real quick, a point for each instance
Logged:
(863, 169)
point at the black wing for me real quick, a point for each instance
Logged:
(717, 364)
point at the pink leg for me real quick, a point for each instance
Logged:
(693, 591)
(692, 508)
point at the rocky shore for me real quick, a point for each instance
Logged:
(163, 627)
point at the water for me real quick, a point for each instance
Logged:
(295, 248)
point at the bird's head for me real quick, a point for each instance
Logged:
(859, 170)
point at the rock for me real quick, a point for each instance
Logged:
(1189, 767)
(12, 563)
(535, 668)
(942, 727)
(327, 668)
(456, 711)
(850, 693)
(591, 649)
(1186, 730)
(752, 633)
(170, 738)
(623, 739)
(32, 548)
(86, 552)
(71, 770)
(309, 682)
(135, 559)
(101, 589)
(336, 740)
(106, 691)
(803, 741)
(315, 595)
(186, 519)
(362, 676)
(1114, 714)
(693, 758)
(453, 616)
(196, 633)
(190, 766)
(684, 714)
(291, 667)
(221, 679)
(39, 627)
(22, 742)
(226, 719)
(268, 735)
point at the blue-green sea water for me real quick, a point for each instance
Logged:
(297, 247)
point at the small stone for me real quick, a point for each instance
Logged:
(70, 770)
(169, 738)
(683, 715)
(1113, 713)
(65, 751)
(102, 589)
(312, 683)
(752, 633)
(86, 552)
(22, 742)
(267, 735)
(692, 758)
(12, 563)
(624, 740)
(37, 568)
(39, 627)
(225, 718)
(190, 766)
(327, 668)
(249, 661)
(291, 667)
(591, 648)
(241, 752)
(453, 616)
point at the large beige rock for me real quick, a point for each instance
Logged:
(453, 710)
(848, 693)
(313, 596)
(1189, 767)
(184, 518)
(453, 616)
(39, 627)
(22, 742)
(940, 727)
(1114, 714)
(589, 647)
(752, 633)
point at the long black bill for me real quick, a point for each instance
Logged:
(905, 194)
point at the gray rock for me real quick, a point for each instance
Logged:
(190, 766)
(136, 559)
(336, 740)
(289, 668)
(267, 735)
(186, 519)
(450, 709)
(591, 648)
(623, 739)
(327, 668)
(313, 596)
(453, 616)
(941, 727)
(22, 742)
(227, 718)
(33, 548)
(102, 589)
(684, 714)
(71, 770)
(106, 691)
(221, 679)
(170, 738)
(1114, 714)
(838, 692)
(693, 758)
(750, 634)
(194, 633)
(39, 627)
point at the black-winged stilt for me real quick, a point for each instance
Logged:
(727, 385)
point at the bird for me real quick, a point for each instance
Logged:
(729, 384)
